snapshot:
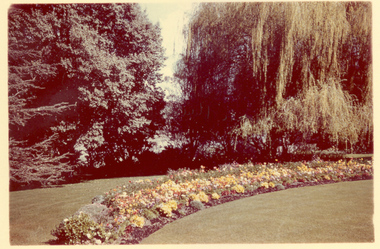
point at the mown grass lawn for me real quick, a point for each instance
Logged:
(34, 213)
(332, 213)
(295, 215)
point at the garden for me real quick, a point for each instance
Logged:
(129, 213)
(257, 96)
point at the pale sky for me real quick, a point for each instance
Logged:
(172, 18)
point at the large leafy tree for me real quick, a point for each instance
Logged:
(248, 62)
(92, 70)
(32, 157)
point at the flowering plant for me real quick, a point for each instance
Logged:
(138, 201)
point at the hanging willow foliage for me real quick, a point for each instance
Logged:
(320, 41)
(321, 109)
(289, 67)
(313, 31)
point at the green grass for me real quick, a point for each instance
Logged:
(333, 213)
(34, 213)
(295, 215)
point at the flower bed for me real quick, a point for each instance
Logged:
(141, 207)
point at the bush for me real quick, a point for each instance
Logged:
(197, 204)
(149, 214)
(98, 199)
(96, 212)
(79, 229)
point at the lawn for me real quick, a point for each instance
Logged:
(140, 206)
(34, 213)
(332, 213)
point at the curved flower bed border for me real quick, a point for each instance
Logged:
(142, 207)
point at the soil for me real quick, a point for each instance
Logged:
(134, 235)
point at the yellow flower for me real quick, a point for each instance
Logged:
(215, 196)
(137, 220)
(238, 188)
(194, 197)
(272, 185)
(168, 207)
(264, 184)
(327, 177)
(203, 197)
(172, 204)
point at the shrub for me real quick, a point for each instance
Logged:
(149, 214)
(280, 187)
(96, 212)
(197, 204)
(78, 229)
(194, 197)
(98, 199)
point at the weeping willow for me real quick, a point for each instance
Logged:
(320, 42)
(312, 33)
(324, 109)
(307, 64)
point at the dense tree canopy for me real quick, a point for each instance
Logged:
(254, 77)
(83, 77)
(275, 70)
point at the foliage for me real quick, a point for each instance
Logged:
(137, 200)
(197, 205)
(34, 165)
(81, 228)
(149, 214)
(85, 75)
(248, 65)
(97, 212)
(78, 229)
(33, 159)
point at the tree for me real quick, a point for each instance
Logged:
(248, 61)
(32, 158)
(123, 95)
(317, 62)
(100, 60)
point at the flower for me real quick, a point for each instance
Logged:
(264, 184)
(203, 197)
(183, 190)
(194, 197)
(137, 220)
(238, 189)
(215, 196)
(168, 207)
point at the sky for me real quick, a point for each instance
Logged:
(172, 18)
